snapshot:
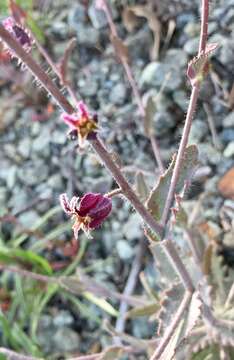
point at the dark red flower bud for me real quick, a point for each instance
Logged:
(92, 210)
(19, 33)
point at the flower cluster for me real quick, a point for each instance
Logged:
(19, 33)
(81, 122)
(89, 214)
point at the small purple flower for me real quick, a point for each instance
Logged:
(82, 122)
(92, 210)
(19, 33)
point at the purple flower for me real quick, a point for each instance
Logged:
(89, 214)
(19, 33)
(81, 121)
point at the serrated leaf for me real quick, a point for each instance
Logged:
(163, 264)
(171, 299)
(180, 217)
(146, 310)
(150, 110)
(158, 195)
(141, 187)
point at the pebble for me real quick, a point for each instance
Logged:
(125, 251)
(191, 46)
(163, 122)
(132, 228)
(156, 74)
(24, 148)
(229, 150)
(228, 121)
(118, 94)
(87, 36)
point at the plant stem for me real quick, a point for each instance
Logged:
(124, 185)
(204, 26)
(36, 70)
(134, 86)
(180, 155)
(12, 355)
(170, 330)
(189, 118)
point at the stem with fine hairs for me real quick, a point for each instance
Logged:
(188, 120)
(133, 84)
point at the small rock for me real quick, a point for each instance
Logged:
(24, 148)
(41, 143)
(32, 174)
(58, 137)
(124, 250)
(181, 99)
(66, 340)
(228, 121)
(175, 58)
(87, 36)
(55, 182)
(156, 73)
(191, 46)
(132, 228)
(198, 132)
(29, 218)
(229, 150)
(97, 16)
(63, 318)
(118, 94)
(88, 87)
(76, 16)
(11, 176)
(163, 122)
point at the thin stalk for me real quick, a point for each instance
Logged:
(36, 70)
(132, 82)
(180, 155)
(171, 329)
(105, 157)
(204, 26)
(12, 355)
(189, 117)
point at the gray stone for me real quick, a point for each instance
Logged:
(118, 94)
(198, 131)
(32, 174)
(29, 218)
(18, 199)
(124, 250)
(181, 99)
(55, 182)
(156, 73)
(76, 16)
(227, 52)
(41, 143)
(192, 29)
(229, 150)
(24, 148)
(87, 36)
(163, 122)
(97, 17)
(228, 121)
(63, 318)
(88, 87)
(191, 46)
(58, 137)
(175, 58)
(11, 176)
(132, 228)
(65, 340)
(227, 135)
(208, 154)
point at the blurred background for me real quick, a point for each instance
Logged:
(38, 163)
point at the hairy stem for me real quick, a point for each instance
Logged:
(124, 185)
(132, 82)
(12, 355)
(170, 330)
(188, 120)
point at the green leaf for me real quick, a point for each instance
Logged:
(102, 303)
(168, 274)
(158, 195)
(19, 256)
(146, 310)
(141, 187)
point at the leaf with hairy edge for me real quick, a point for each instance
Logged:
(150, 110)
(163, 264)
(146, 310)
(158, 195)
(141, 187)
(63, 65)
(171, 300)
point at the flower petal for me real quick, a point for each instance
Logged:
(101, 209)
(65, 204)
(88, 201)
